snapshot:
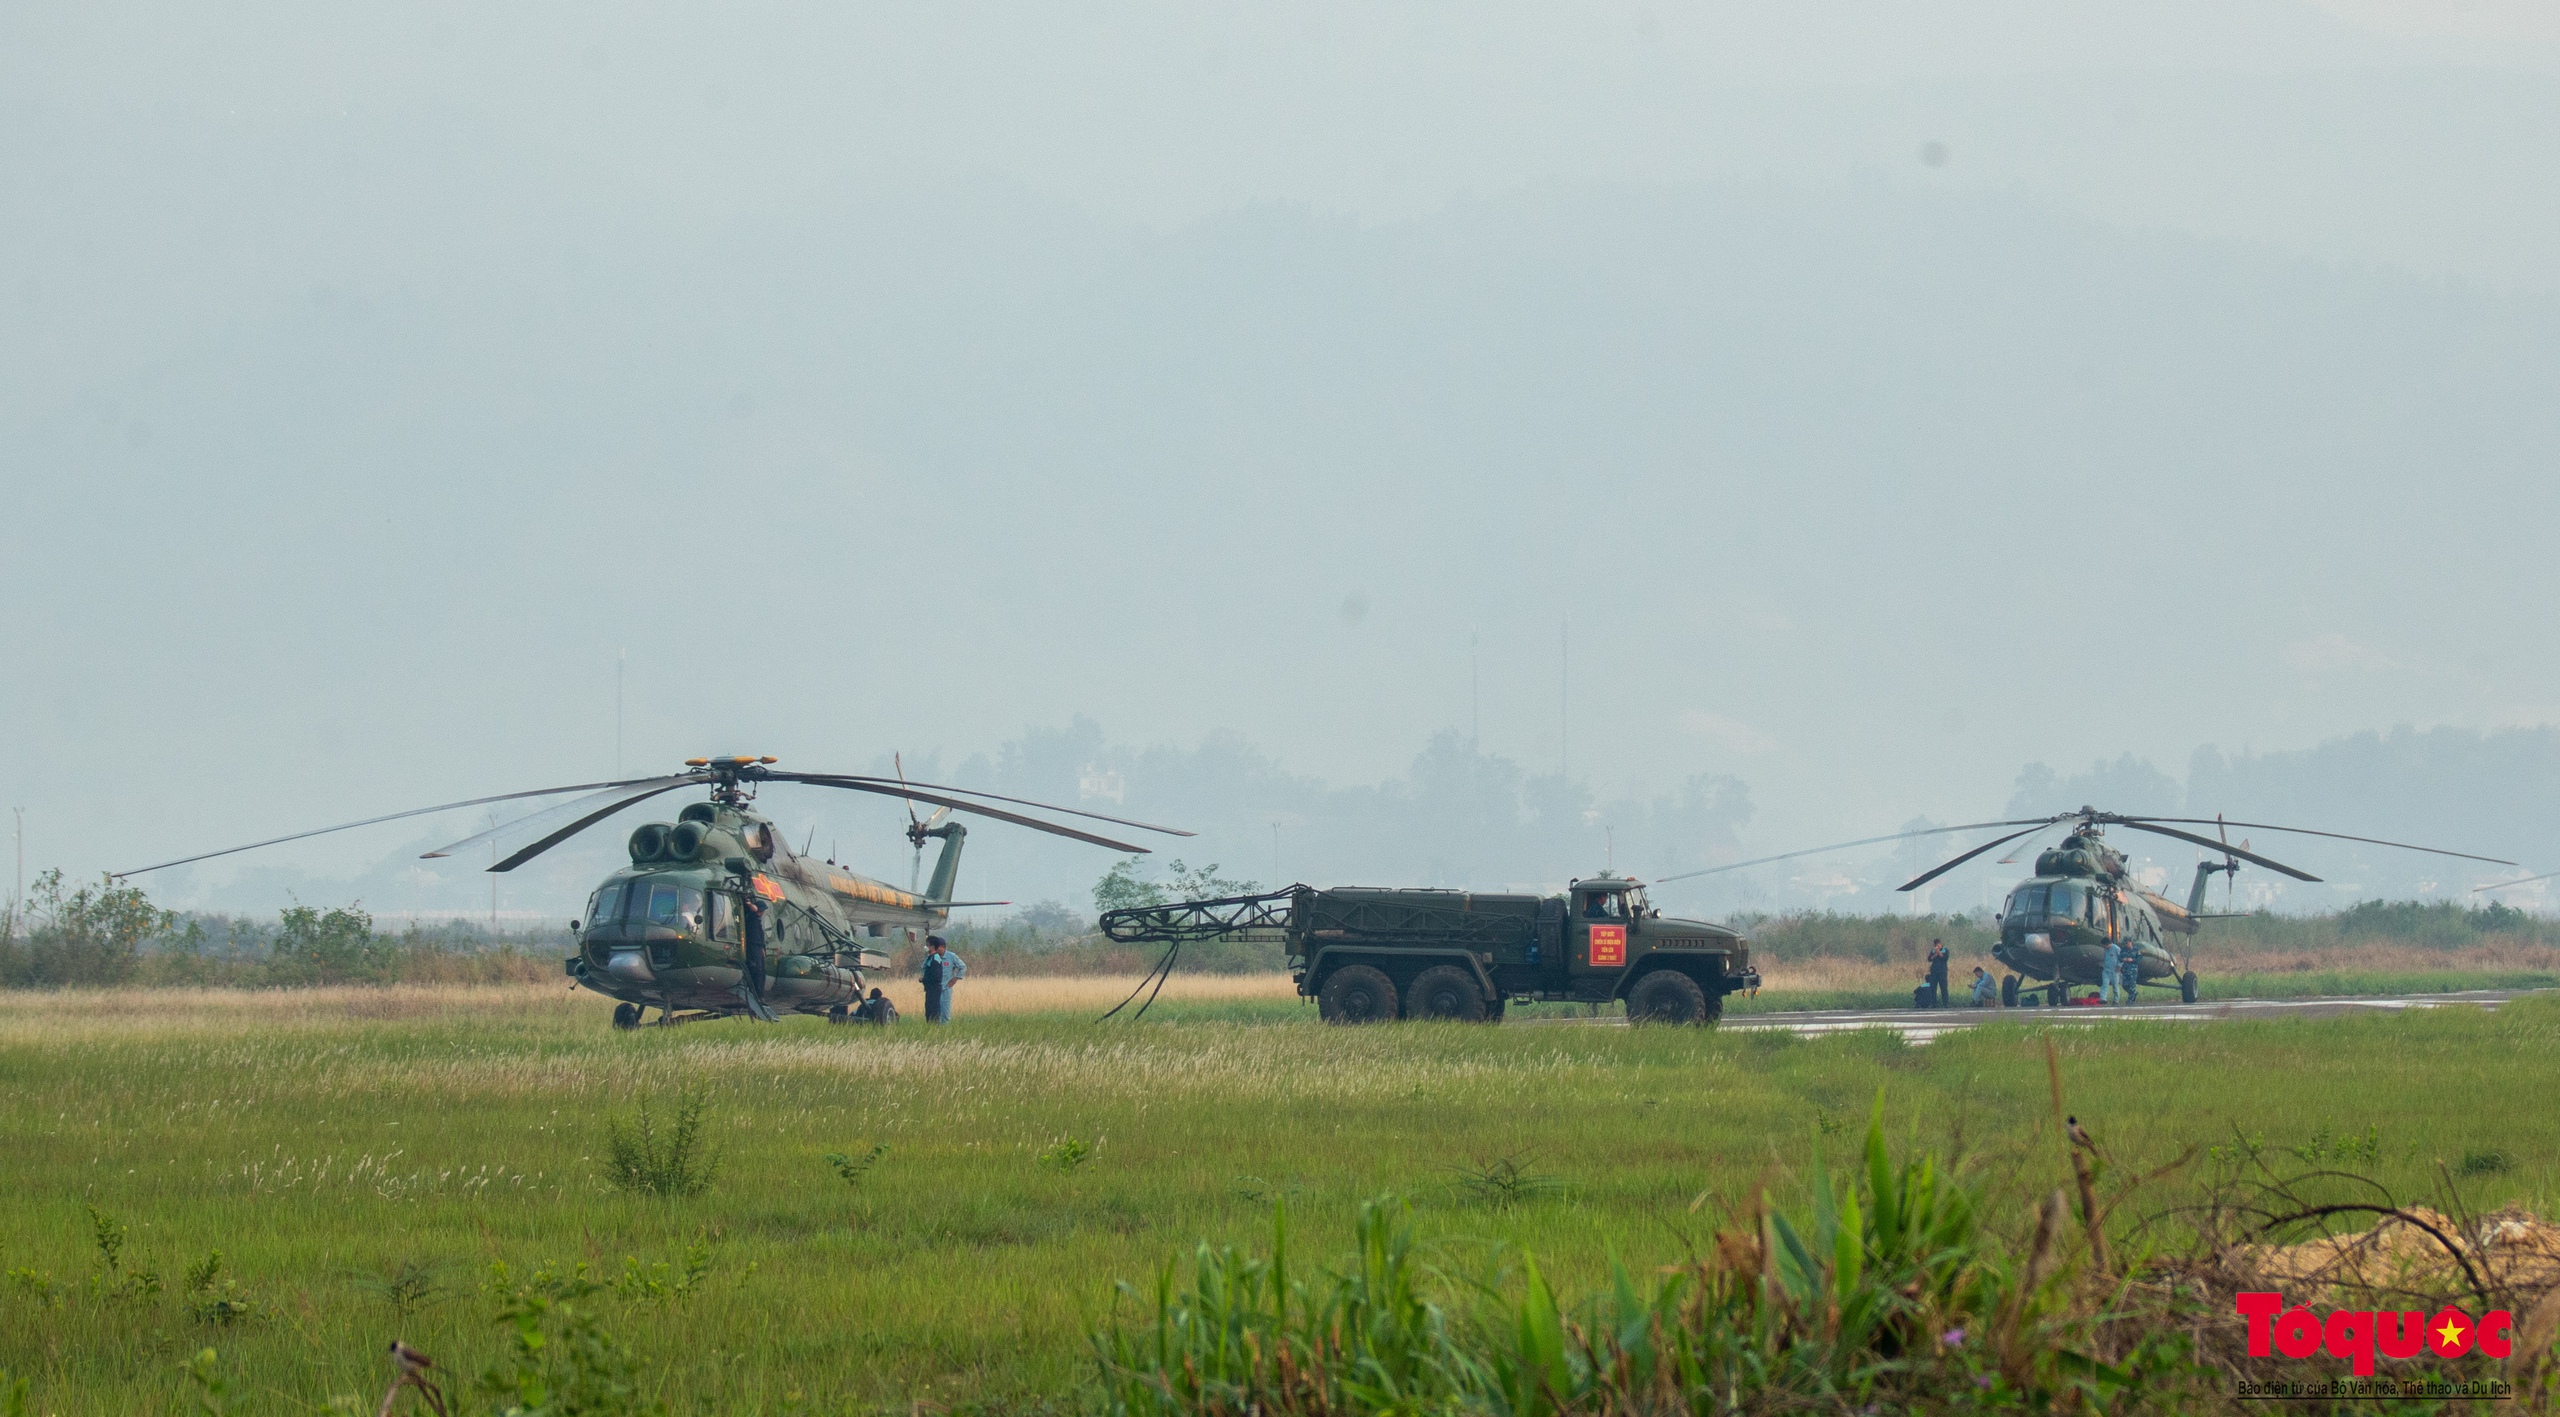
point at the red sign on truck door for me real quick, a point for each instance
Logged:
(1608, 946)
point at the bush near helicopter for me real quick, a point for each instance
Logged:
(2056, 926)
(716, 915)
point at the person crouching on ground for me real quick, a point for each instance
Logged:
(1984, 991)
(942, 969)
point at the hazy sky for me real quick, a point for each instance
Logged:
(1880, 397)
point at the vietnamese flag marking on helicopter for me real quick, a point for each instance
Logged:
(766, 887)
(1608, 945)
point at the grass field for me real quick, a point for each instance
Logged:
(328, 1142)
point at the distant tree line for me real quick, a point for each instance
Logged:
(110, 933)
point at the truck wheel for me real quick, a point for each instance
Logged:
(1445, 992)
(1667, 996)
(2187, 987)
(1356, 993)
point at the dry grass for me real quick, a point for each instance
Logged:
(1088, 993)
(67, 1014)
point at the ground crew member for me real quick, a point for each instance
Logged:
(2111, 973)
(942, 969)
(755, 942)
(1938, 971)
(2132, 973)
(1984, 991)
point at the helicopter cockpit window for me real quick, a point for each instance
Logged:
(2026, 900)
(2065, 902)
(724, 917)
(606, 907)
(676, 907)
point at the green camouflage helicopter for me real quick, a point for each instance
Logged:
(716, 915)
(2056, 926)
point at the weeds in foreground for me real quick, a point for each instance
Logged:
(208, 1390)
(1885, 1294)
(559, 1358)
(1066, 1155)
(851, 1169)
(1504, 1182)
(678, 1161)
(407, 1287)
(211, 1296)
(113, 1280)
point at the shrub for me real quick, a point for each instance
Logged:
(91, 936)
(677, 1162)
(1066, 1155)
(559, 1359)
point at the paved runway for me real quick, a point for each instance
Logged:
(1921, 1025)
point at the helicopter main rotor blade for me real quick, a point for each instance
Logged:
(894, 789)
(1943, 868)
(1845, 845)
(2524, 881)
(2224, 847)
(2306, 831)
(2011, 857)
(847, 779)
(387, 817)
(619, 793)
(582, 823)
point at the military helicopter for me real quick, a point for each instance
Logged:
(2056, 926)
(716, 915)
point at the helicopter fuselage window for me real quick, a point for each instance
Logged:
(724, 917)
(759, 839)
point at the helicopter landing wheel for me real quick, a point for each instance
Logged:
(2187, 987)
(840, 1015)
(626, 1016)
(2053, 996)
(2009, 992)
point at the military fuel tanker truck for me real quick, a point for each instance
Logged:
(1366, 956)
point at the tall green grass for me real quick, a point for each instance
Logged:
(360, 1168)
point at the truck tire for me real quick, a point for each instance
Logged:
(1447, 992)
(1668, 996)
(1355, 993)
